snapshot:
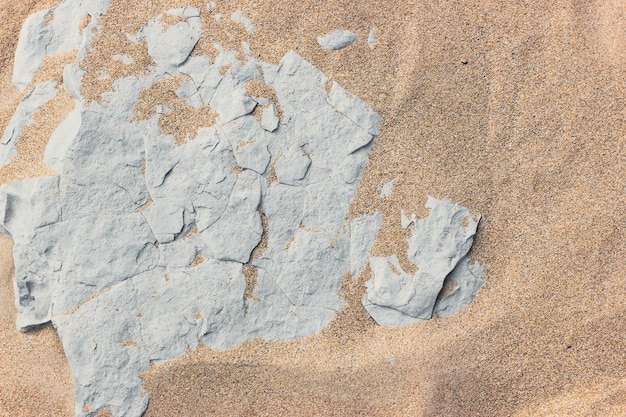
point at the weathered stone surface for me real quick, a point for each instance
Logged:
(170, 47)
(62, 138)
(159, 232)
(269, 119)
(22, 117)
(466, 280)
(54, 31)
(438, 243)
(337, 40)
(363, 232)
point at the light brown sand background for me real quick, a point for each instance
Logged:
(517, 111)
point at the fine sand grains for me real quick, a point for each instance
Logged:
(515, 111)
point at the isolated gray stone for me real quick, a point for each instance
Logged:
(337, 40)
(438, 243)
(387, 189)
(371, 40)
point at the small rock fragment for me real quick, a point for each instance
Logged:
(387, 189)
(337, 40)
(370, 38)
(238, 17)
(125, 59)
(269, 119)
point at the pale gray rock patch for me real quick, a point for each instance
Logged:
(125, 59)
(292, 166)
(387, 189)
(438, 243)
(31, 48)
(22, 117)
(371, 40)
(363, 232)
(62, 33)
(238, 17)
(159, 233)
(269, 118)
(170, 47)
(467, 280)
(338, 39)
(72, 79)
(122, 226)
(62, 137)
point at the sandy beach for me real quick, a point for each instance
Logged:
(516, 111)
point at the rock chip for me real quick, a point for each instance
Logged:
(338, 39)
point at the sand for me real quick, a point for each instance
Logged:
(517, 111)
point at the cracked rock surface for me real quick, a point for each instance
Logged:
(438, 246)
(136, 251)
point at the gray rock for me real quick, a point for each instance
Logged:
(467, 280)
(62, 138)
(437, 245)
(292, 166)
(170, 47)
(363, 232)
(269, 119)
(135, 252)
(248, 142)
(40, 38)
(238, 17)
(22, 117)
(337, 40)
(387, 189)
(371, 40)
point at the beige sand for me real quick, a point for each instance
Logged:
(516, 111)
